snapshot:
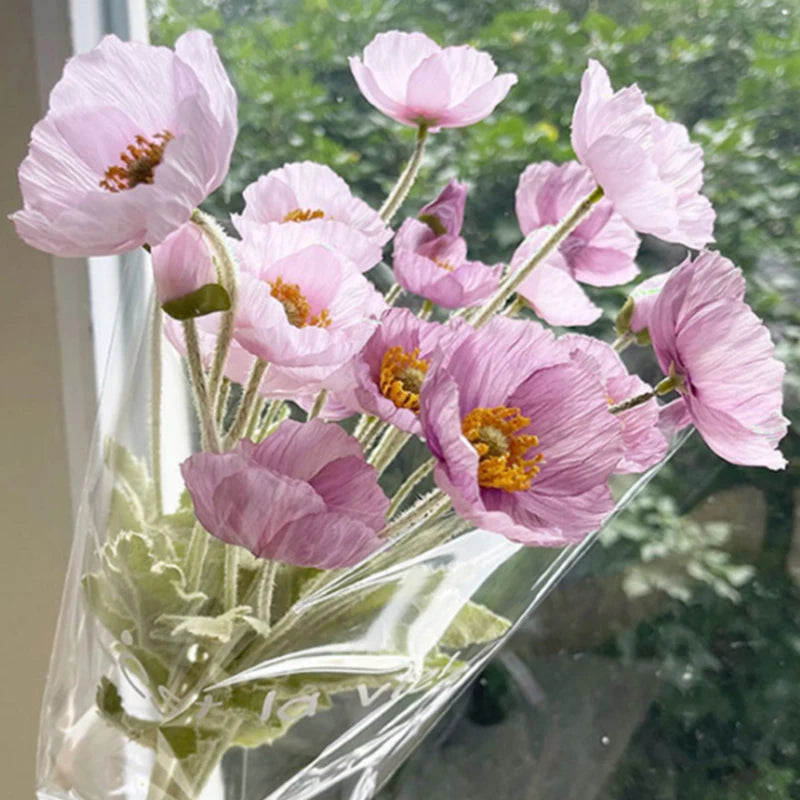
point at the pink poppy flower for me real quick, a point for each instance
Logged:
(647, 167)
(315, 197)
(522, 435)
(408, 77)
(301, 305)
(722, 356)
(388, 373)
(135, 139)
(436, 267)
(644, 296)
(643, 441)
(182, 264)
(445, 214)
(602, 249)
(304, 496)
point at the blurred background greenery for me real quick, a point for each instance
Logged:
(676, 641)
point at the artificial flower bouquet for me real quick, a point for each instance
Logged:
(384, 482)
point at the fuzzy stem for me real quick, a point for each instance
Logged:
(231, 576)
(392, 294)
(431, 505)
(632, 402)
(422, 471)
(155, 407)
(226, 271)
(622, 343)
(269, 420)
(387, 448)
(222, 403)
(406, 179)
(196, 556)
(319, 402)
(266, 587)
(514, 307)
(255, 418)
(202, 401)
(559, 233)
(426, 310)
(246, 403)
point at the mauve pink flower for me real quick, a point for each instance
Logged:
(316, 198)
(602, 249)
(445, 214)
(646, 166)
(389, 371)
(136, 137)
(301, 305)
(705, 335)
(411, 79)
(304, 496)
(182, 264)
(550, 290)
(643, 441)
(436, 267)
(522, 434)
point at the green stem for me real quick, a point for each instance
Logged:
(246, 403)
(202, 401)
(226, 271)
(406, 179)
(426, 310)
(393, 294)
(196, 556)
(231, 576)
(273, 411)
(222, 403)
(266, 588)
(559, 233)
(516, 305)
(622, 343)
(389, 446)
(632, 402)
(255, 418)
(422, 471)
(431, 505)
(155, 407)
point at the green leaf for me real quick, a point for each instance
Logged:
(474, 624)
(205, 300)
(218, 628)
(133, 498)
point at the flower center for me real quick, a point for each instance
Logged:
(139, 161)
(446, 265)
(401, 377)
(297, 308)
(493, 434)
(301, 215)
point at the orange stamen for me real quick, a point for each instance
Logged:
(301, 215)
(401, 377)
(493, 434)
(446, 265)
(298, 310)
(139, 161)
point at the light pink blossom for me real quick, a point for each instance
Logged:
(647, 167)
(436, 267)
(644, 296)
(602, 249)
(136, 137)
(304, 496)
(522, 434)
(314, 197)
(301, 305)
(408, 77)
(722, 358)
(643, 441)
(182, 264)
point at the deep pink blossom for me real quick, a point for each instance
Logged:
(411, 79)
(646, 166)
(445, 214)
(136, 137)
(436, 267)
(644, 443)
(301, 305)
(388, 373)
(314, 197)
(602, 249)
(522, 434)
(304, 496)
(182, 263)
(722, 357)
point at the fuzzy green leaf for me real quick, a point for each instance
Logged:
(474, 624)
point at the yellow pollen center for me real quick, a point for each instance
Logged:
(139, 161)
(401, 377)
(501, 450)
(446, 265)
(304, 215)
(298, 310)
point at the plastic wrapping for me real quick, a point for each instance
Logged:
(156, 692)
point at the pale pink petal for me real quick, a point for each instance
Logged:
(428, 90)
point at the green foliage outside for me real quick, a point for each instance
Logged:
(729, 70)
